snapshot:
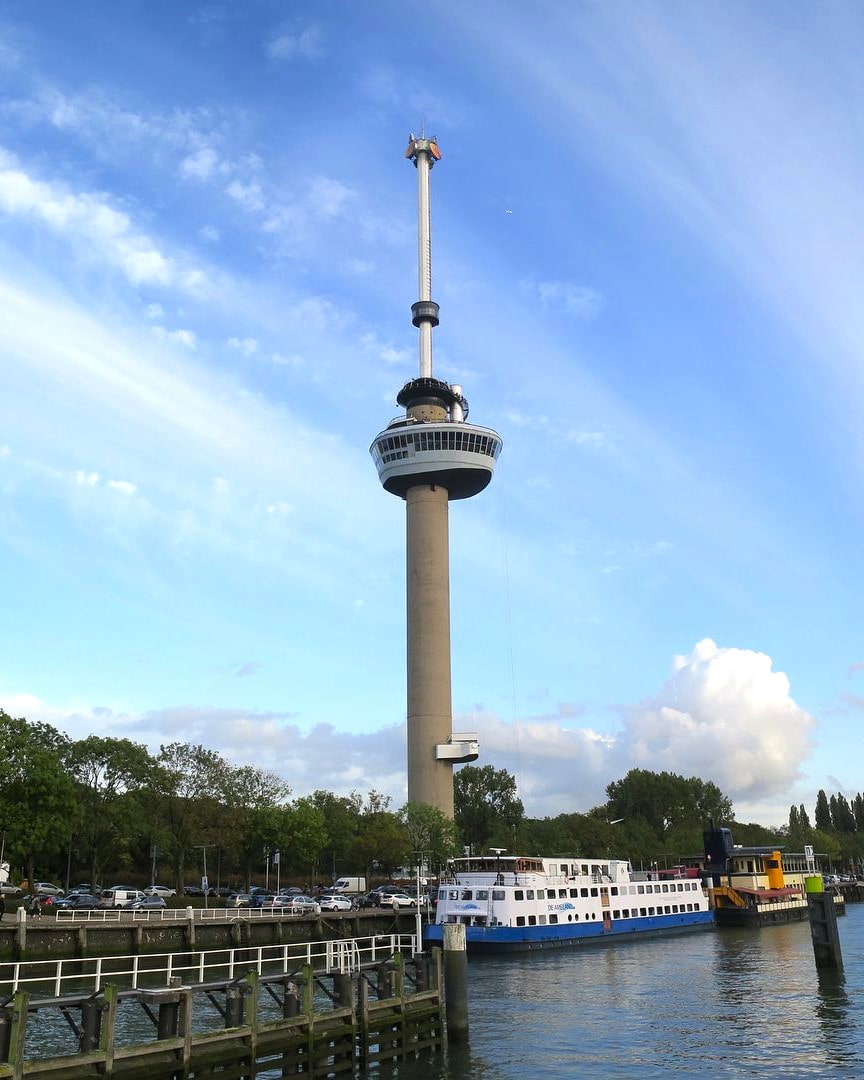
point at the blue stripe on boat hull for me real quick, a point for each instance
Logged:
(568, 936)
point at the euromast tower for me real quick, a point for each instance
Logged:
(428, 457)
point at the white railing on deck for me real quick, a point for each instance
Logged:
(152, 970)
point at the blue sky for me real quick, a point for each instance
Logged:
(647, 251)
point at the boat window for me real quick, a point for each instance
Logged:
(520, 920)
(518, 894)
(641, 889)
(442, 894)
(593, 892)
(583, 892)
(666, 910)
(614, 890)
(564, 869)
(625, 914)
(542, 919)
(482, 894)
(532, 920)
(584, 869)
(553, 918)
(541, 895)
(454, 894)
(467, 894)
(574, 893)
(498, 894)
(674, 909)
(666, 888)
(650, 910)
(616, 914)
(529, 894)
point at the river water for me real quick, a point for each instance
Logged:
(719, 1003)
(722, 1003)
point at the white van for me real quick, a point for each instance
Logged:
(119, 897)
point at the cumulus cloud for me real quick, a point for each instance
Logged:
(247, 346)
(723, 714)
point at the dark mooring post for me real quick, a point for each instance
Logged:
(456, 983)
(290, 999)
(823, 924)
(91, 1025)
(234, 1006)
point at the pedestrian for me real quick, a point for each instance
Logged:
(2, 905)
(36, 907)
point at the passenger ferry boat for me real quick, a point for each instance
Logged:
(513, 903)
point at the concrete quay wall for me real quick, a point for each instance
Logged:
(50, 939)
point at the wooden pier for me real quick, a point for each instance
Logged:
(301, 1022)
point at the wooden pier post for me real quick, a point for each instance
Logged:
(823, 924)
(456, 983)
(91, 1025)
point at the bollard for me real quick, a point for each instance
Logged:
(233, 1007)
(343, 987)
(291, 1000)
(5, 1033)
(168, 1023)
(382, 980)
(823, 924)
(91, 1025)
(456, 983)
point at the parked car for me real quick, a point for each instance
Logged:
(76, 901)
(260, 898)
(8, 889)
(160, 890)
(45, 888)
(146, 903)
(399, 900)
(222, 891)
(238, 900)
(369, 900)
(85, 887)
(192, 890)
(304, 905)
(336, 902)
(282, 900)
(119, 897)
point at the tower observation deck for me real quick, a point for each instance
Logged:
(429, 456)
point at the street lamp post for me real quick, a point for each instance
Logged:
(3, 845)
(205, 883)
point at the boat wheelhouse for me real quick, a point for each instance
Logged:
(522, 903)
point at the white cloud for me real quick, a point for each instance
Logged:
(247, 346)
(123, 486)
(154, 311)
(248, 196)
(201, 165)
(86, 479)
(92, 223)
(579, 300)
(292, 43)
(187, 338)
(328, 198)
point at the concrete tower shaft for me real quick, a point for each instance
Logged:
(429, 456)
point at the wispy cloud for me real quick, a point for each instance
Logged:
(581, 301)
(293, 42)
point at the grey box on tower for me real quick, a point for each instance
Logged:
(428, 457)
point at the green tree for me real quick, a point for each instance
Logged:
(249, 820)
(823, 812)
(487, 805)
(666, 800)
(190, 785)
(382, 839)
(36, 791)
(342, 816)
(303, 835)
(803, 818)
(433, 837)
(107, 772)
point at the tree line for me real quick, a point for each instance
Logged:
(100, 805)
